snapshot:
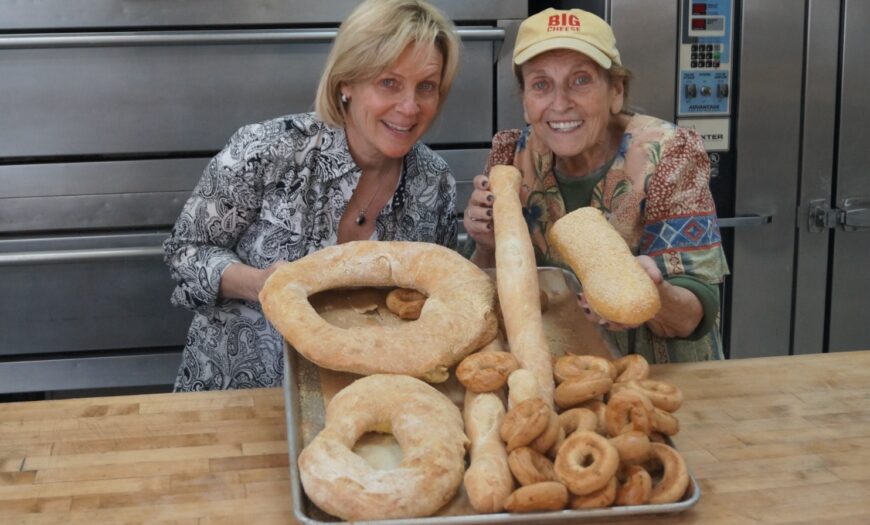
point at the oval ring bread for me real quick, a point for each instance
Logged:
(457, 318)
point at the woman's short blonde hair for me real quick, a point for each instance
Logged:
(372, 38)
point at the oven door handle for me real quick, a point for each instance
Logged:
(206, 38)
(79, 256)
(741, 221)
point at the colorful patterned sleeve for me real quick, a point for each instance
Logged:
(680, 228)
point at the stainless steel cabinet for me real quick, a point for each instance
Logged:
(111, 110)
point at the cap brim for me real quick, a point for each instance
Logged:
(563, 43)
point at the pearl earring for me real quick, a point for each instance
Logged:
(344, 98)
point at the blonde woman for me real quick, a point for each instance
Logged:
(281, 189)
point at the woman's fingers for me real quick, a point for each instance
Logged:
(647, 263)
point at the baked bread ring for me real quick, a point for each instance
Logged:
(524, 422)
(633, 447)
(628, 410)
(571, 366)
(547, 495)
(486, 371)
(632, 366)
(663, 395)
(637, 487)
(459, 316)
(578, 419)
(603, 497)
(575, 391)
(428, 427)
(530, 466)
(675, 480)
(614, 283)
(586, 462)
(406, 303)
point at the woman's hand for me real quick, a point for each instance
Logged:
(649, 265)
(240, 281)
(477, 220)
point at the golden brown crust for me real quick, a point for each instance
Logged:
(428, 427)
(675, 480)
(457, 319)
(602, 497)
(530, 466)
(586, 462)
(486, 371)
(547, 495)
(615, 285)
(637, 487)
(406, 303)
(517, 280)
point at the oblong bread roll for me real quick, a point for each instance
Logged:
(616, 286)
(517, 280)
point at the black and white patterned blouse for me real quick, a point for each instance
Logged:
(277, 192)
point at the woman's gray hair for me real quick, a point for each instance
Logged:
(372, 38)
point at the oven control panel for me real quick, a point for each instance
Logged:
(705, 69)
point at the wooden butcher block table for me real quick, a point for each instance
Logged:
(771, 440)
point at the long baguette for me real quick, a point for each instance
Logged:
(488, 480)
(517, 280)
(616, 287)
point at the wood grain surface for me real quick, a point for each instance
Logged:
(770, 440)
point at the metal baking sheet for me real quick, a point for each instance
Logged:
(306, 394)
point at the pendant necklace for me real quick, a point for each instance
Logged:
(361, 218)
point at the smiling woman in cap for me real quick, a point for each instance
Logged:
(583, 147)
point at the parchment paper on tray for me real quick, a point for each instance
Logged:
(567, 331)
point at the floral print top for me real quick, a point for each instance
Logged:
(277, 192)
(656, 194)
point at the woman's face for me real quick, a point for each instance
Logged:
(569, 102)
(387, 115)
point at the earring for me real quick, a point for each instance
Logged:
(344, 98)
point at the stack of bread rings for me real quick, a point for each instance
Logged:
(604, 445)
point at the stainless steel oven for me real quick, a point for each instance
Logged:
(778, 90)
(109, 111)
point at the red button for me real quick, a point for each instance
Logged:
(699, 23)
(699, 9)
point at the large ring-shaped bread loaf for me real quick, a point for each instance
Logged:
(427, 425)
(457, 319)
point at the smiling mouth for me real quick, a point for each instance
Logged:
(564, 125)
(397, 128)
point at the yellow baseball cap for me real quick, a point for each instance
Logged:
(573, 29)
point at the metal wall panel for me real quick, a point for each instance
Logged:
(767, 145)
(817, 161)
(117, 99)
(130, 13)
(646, 36)
(86, 293)
(850, 284)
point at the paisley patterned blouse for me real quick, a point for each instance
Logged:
(656, 194)
(277, 192)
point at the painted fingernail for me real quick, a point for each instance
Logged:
(489, 198)
(489, 226)
(485, 183)
(489, 213)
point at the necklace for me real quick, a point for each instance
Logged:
(361, 218)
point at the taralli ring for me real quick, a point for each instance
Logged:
(633, 447)
(578, 419)
(663, 395)
(600, 498)
(571, 366)
(428, 427)
(406, 303)
(586, 462)
(459, 316)
(575, 391)
(486, 371)
(637, 487)
(628, 410)
(530, 467)
(675, 480)
(632, 366)
(547, 495)
(524, 422)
